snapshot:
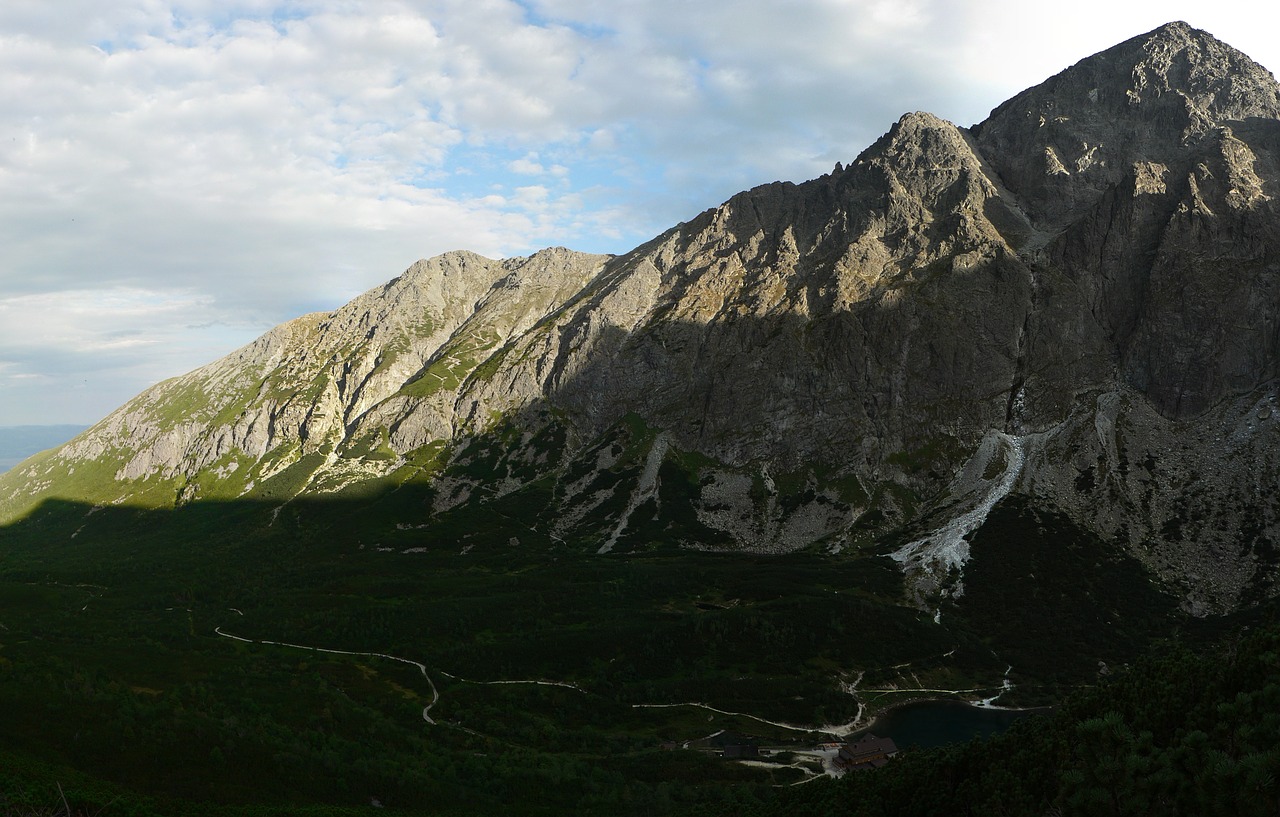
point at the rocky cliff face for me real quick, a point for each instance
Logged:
(1075, 300)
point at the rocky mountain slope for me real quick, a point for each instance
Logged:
(1075, 301)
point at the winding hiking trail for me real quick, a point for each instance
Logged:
(839, 730)
(426, 711)
(543, 683)
(435, 694)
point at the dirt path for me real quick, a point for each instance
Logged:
(542, 683)
(794, 727)
(426, 711)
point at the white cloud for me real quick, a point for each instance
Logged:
(178, 175)
(101, 344)
(71, 317)
(527, 165)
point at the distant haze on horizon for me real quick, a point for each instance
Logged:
(180, 175)
(19, 442)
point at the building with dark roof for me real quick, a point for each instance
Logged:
(867, 752)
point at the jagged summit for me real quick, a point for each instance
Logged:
(1173, 67)
(1157, 97)
(1076, 301)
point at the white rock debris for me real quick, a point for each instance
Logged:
(646, 488)
(947, 549)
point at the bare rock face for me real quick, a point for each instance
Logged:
(1143, 171)
(1075, 300)
(794, 318)
(304, 394)
(1154, 100)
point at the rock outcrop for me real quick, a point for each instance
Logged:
(1092, 274)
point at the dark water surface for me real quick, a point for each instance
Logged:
(19, 442)
(927, 724)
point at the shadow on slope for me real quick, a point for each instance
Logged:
(111, 659)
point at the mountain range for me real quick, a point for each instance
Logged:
(1075, 301)
(984, 414)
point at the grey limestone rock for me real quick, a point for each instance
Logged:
(1092, 273)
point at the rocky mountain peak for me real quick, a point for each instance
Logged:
(1154, 98)
(927, 154)
(1080, 295)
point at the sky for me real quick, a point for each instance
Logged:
(178, 176)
